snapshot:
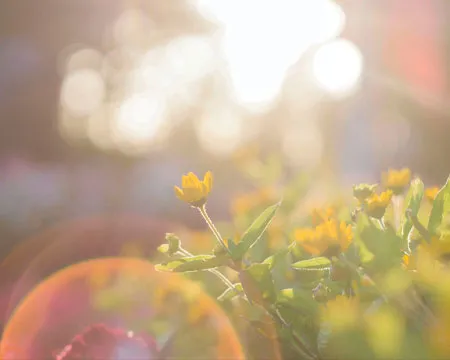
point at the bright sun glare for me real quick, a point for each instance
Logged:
(138, 120)
(257, 41)
(337, 66)
(262, 39)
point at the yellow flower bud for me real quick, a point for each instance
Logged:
(193, 191)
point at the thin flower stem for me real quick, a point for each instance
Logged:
(216, 272)
(382, 224)
(213, 228)
(302, 347)
(361, 273)
(397, 201)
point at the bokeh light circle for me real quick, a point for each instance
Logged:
(121, 292)
(82, 92)
(337, 66)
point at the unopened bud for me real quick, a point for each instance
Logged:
(174, 243)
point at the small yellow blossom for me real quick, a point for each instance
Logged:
(408, 261)
(437, 248)
(363, 191)
(376, 205)
(330, 235)
(193, 191)
(342, 313)
(397, 180)
(319, 216)
(309, 240)
(431, 193)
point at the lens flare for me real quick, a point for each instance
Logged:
(337, 66)
(132, 296)
(70, 242)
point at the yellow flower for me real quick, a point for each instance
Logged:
(431, 193)
(194, 191)
(377, 204)
(330, 236)
(363, 191)
(342, 313)
(319, 216)
(397, 180)
(308, 239)
(438, 249)
(336, 235)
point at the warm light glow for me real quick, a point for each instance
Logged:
(175, 71)
(220, 132)
(82, 92)
(337, 66)
(84, 58)
(98, 128)
(131, 25)
(303, 145)
(138, 121)
(262, 39)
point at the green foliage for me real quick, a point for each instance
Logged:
(350, 286)
(318, 263)
(385, 246)
(231, 292)
(254, 232)
(194, 263)
(276, 258)
(441, 208)
(258, 284)
(412, 203)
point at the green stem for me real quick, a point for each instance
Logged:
(214, 230)
(397, 201)
(382, 224)
(216, 272)
(360, 273)
(298, 342)
(419, 227)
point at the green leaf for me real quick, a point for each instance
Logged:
(318, 263)
(299, 299)
(230, 293)
(441, 207)
(363, 222)
(274, 259)
(254, 232)
(194, 263)
(257, 283)
(412, 202)
(385, 245)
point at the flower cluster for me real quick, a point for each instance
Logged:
(355, 280)
(329, 237)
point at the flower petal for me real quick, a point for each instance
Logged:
(193, 179)
(179, 193)
(208, 180)
(185, 181)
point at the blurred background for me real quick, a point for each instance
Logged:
(105, 104)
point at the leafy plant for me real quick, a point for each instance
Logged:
(334, 288)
